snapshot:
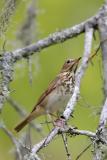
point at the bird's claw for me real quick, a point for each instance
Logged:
(60, 122)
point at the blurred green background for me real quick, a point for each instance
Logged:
(53, 16)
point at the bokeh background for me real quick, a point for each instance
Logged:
(53, 16)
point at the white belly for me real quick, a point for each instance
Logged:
(57, 101)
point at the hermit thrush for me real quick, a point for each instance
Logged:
(56, 96)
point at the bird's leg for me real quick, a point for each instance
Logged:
(59, 122)
(58, 114)
(51, 117)
(47, 123)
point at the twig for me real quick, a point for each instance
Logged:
(6, 14)
(64, 137)
(13, 139)
(18, 144)
(95, 53)
(29, 61)
(73, 131)
(78, 157)
(26, 33)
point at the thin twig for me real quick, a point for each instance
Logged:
(29, 61)
(78, 157)
(6, 14)
(13, 139)
(64, 137)
(26, 33)
(73, 131)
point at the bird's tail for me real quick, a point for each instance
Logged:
(22, 124)
(37, 112)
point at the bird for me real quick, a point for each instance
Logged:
(56, 96)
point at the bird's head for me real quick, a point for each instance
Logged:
(70, 65)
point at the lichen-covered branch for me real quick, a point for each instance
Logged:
(100, 147)
(13, 139)
(80, 72)
(103, 116)
(18, 145)
(99, 151)
(6, 67)
(74, 131)
(46, 140)
(70, 130)
(58, 37)
(102, 26)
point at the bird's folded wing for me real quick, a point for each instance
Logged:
(51, 87)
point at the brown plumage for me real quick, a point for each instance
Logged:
(57, 95)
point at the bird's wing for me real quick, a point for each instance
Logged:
(55, 83)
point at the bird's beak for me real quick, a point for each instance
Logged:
(77, 60)
(75, 65)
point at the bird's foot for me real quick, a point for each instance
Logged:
(60, 122)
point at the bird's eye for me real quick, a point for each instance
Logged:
(68, 61)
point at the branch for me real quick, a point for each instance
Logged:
(87, 50)
(6, 67)
(102, 25)
(64, 137)
(46, 140)
(19, 146)
(58, 37)
(70, 130)
(103, 117)
(101, 133)
(12, 138)
(73, 131)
